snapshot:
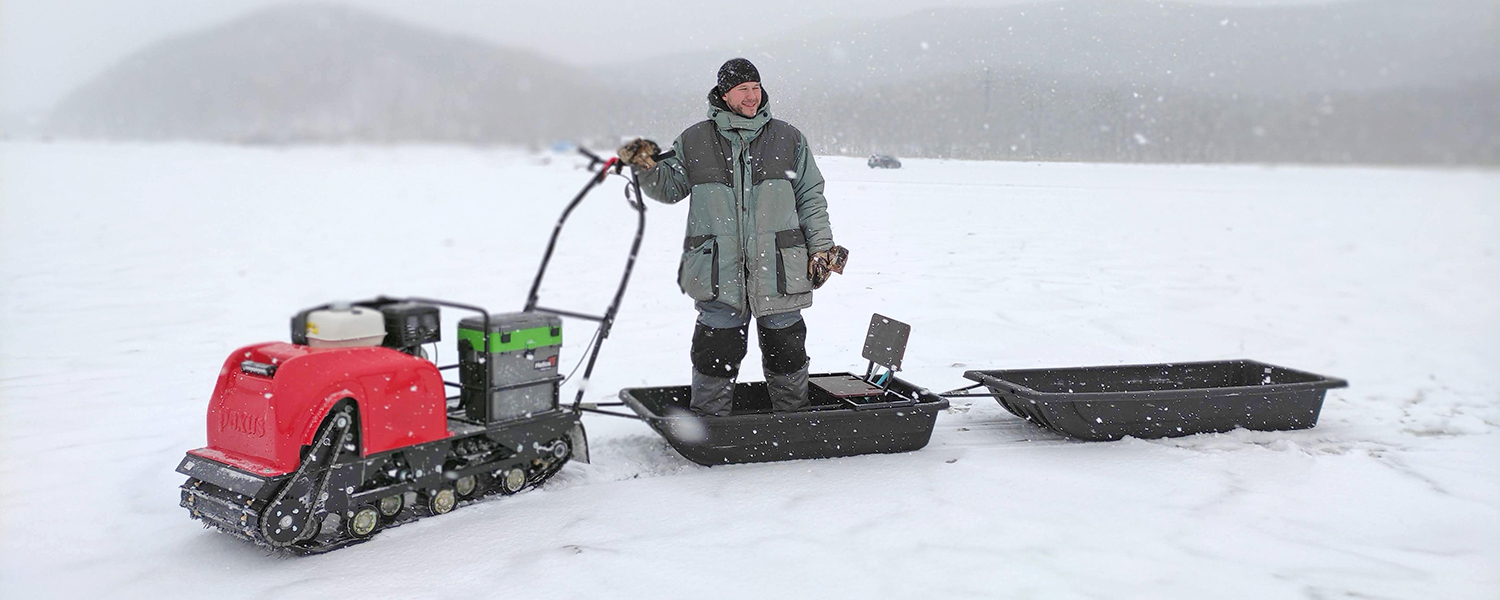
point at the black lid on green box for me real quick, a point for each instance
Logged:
(514, 331)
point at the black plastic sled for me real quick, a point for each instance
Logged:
(1161, 400)
(849, 416)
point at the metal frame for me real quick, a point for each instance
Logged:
(379, 301)
(959, 393)
(637, 202)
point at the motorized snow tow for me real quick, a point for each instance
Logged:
(348, 428)
(321, 442)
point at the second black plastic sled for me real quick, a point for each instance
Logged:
(1161, 400)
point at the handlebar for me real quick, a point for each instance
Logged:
(617, 164)
(606, 321)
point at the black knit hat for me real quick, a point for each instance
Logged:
(734, 72)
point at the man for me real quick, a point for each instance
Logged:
(758, 239)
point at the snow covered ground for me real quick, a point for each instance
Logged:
(127, 272)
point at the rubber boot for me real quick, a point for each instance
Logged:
(784, 357)
(716, 351)
(714, 396)
(788, 390)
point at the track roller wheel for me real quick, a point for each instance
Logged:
(442, 501)
(310, 530)
(365, 522)
(391, 505)
(561, 449)
(511, 480)
(466, 486)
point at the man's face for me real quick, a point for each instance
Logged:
(744, 98)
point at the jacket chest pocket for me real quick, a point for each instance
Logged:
(791, 262)
(698, 274)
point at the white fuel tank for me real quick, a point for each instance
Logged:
(345, 327)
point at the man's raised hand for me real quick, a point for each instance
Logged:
(639, 153)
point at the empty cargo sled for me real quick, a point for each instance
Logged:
(1161, 400)
(849, 416)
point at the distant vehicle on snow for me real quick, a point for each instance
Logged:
(883, 161)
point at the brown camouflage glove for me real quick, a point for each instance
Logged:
(638, 153)
(822, 265)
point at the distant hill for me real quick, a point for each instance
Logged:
(329, 73)
(1365, 81)
(1351, 46)
(1362, 81)
(1037, 118)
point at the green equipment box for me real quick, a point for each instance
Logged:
(522, 358)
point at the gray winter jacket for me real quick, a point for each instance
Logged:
(757, 210)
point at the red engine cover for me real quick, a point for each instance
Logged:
(259, 424)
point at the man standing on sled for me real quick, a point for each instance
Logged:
(758, 240)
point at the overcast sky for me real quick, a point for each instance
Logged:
(48, 47)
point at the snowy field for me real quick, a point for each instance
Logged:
(128, 272)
